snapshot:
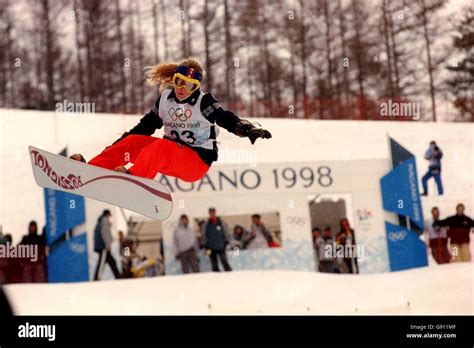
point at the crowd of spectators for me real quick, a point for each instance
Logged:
(214, 237)
(449, 238)
(24, 269)
(326, 245)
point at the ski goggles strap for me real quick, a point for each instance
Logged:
(180, 81)
(189, 72)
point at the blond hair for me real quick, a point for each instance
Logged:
(162, 74)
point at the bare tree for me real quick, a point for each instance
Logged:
(424, 12)
(164, 28)
(7, 83)
(77, 37)
(121, 54)
(303, 55)
(461, 82)
(229, 70)
(154, 6)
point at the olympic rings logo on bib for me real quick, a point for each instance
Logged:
(182, 114)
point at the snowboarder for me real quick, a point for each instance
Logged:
(190, 118)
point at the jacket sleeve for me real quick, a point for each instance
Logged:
(443, 223)
(267, 234)
(148, 124)
(213, 111)
(246, 238)
(429, 153)
(106, 233)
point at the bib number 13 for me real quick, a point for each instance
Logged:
(186, 136)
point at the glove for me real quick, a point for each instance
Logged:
(246, 129)
(256, 133)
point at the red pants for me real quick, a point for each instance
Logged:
(151, 156)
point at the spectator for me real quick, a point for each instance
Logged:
(346, 238)
(34, 272)
(126, 251)
(122, 242)
(325, 248)
(145, 267)
(316, 236)
(33, 238)
(200, 235)
(215, 241)
(260, 235)
(102, 245)
(438, 239)
(185, 246)
(241, 237)
(316, 233)
(433, 155)
(6, 239)
(459, 227)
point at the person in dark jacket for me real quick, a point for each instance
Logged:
(102, 245)
(346, 238)
(433, 155)
(33, 238)
(459, 227)
(35, 272)
(215, 241)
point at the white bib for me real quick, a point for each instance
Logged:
(186, 123)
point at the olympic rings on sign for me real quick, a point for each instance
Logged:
(397, 236)
(297, 220)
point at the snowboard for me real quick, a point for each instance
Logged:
(144, 196)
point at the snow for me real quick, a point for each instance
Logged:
(446, 289)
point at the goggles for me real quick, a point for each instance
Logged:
(181, 81)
